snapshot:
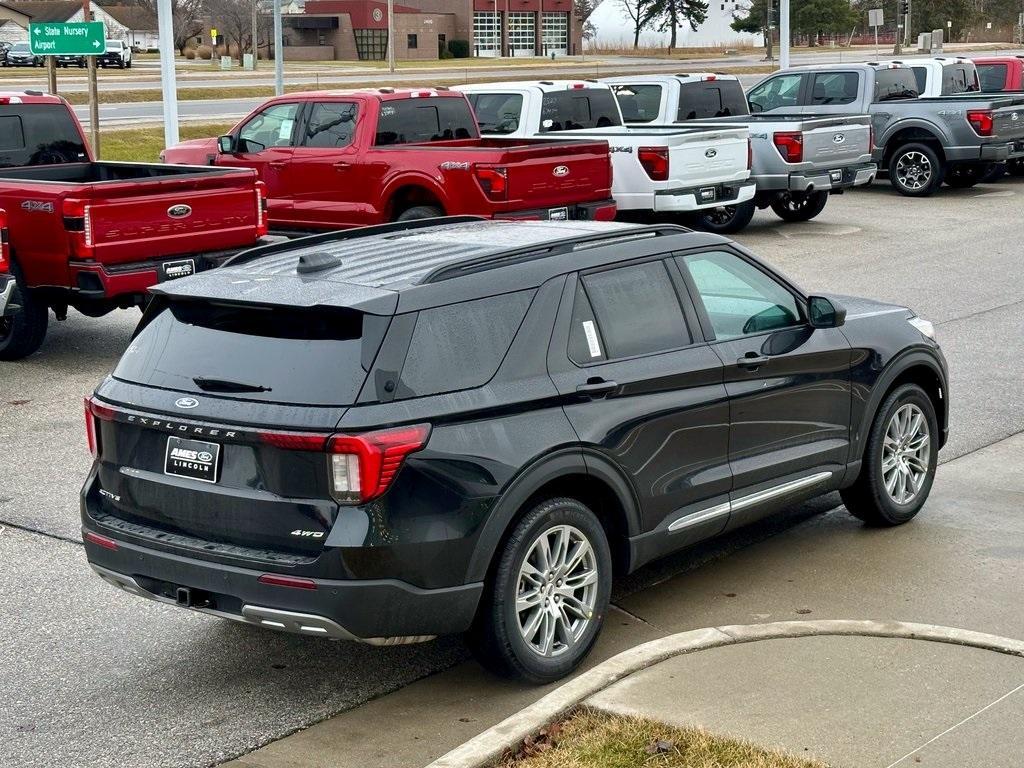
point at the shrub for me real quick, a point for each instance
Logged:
(190, 53)
(204, 52)
(459, 48)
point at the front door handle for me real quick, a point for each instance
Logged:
(596, 387)
(277, 165)
(752, 361)
(341, 165)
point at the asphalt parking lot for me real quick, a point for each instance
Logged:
(94, 677)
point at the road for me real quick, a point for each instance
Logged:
(93, 677)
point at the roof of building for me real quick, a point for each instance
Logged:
(46, 10)
(134, 17)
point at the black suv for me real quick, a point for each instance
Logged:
(457, 425)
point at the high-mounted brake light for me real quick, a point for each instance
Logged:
(790, 145)
(78, 222)
(493, 181)
(576, 86)
(710, 78)
(981, 121)
(655, 161)
(261, 209)
(363, 466)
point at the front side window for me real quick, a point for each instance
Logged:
(273, 127)
(415, 121)
(635, 312)
(639, 103)
(331, 125)
(738, 297)
(578, 108)
(497, 114)
(834, 88)
(778, 93)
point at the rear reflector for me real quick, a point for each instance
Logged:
(295, 441)
(363, 466)
(101, 541)
(293, 582)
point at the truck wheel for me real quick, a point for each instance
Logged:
(915, 170)
(22, 333)
(420, 212)
(799, 206)
(966, 175)
(899, 463)
(544, 606)
(1015, 167)
(727, 219)
(997, 172)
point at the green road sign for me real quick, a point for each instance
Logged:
(77, 38)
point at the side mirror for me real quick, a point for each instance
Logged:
(226, 145)
(825, 313)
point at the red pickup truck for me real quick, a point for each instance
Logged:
(344, 159)
(1000, 74)
(93, 235)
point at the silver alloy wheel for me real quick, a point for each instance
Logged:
(906, 453)
(914, 170)
(556, 590)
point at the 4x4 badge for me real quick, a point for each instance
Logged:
(186, 402)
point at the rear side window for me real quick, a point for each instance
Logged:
(636, 310)
(497, 114)
(895, 84)
(834, 88)
(415, 121)
(38, 134)
(271, 354)
(639, 103)
(700, 101)
(577, 108)
(992, 76)
(331, 125)
(461, 345)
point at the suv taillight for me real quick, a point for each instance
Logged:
(261, 209)
(655, 161)
(95, 411)
(5, 263)
(493, 181)
(790, 145)
(363, 466)
(78, 222)
(981, 121)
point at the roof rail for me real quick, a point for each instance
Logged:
(32, 92)
(544, 250)
(347, 234)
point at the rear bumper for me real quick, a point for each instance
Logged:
(603, 210)
(703, 197)
(7, 285)
(823, 180)
(1000, 153)
(378, 612)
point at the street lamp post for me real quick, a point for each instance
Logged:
(783, 34)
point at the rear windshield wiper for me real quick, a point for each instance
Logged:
(223, 385)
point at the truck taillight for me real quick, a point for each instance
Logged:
(493, 181)
(790, 145)
(750, 154)
(871, 138)
(981, 121)
(5, 264)
(363, 466)
(78, 222)
(655, 161)
(261, 209)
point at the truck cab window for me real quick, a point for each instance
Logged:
(273, 127)
(497, 113)
(992, 77)
(415, 121)
(39, 134)
(777, 93)
(639, 103)
(959, 79)
(834, 88)
(579, 108)
(895, 84)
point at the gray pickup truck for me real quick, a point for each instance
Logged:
(797, 161)
(921, 142)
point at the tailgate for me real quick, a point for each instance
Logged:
(559, 173)
(1008, 123)
(831, 142)
(707, 157)
(154, 219)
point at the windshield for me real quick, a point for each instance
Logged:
(20, 48)
(272, 354)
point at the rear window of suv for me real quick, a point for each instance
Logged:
(270, 354)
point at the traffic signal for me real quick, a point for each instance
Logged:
(904, 7)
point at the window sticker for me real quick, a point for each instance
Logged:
(286, 129)
(591, 333)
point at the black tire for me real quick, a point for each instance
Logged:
(1015, 167)
(727, 219)
(799, 206)
(868, 499)
(995, 173)
(496, 637)
(967, 175)
(926, 180)
(420, 212)
(23, 333)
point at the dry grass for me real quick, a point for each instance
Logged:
(591, 739)
(143, 145)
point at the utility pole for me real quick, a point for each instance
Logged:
(168, 76)
(51, 74)
(278, 50)
(783, 34)
(94, 98)
(391, 36)
(255, 36)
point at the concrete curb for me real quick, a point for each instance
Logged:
(489, 746)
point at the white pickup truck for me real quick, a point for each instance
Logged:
(942, 76)
(660, 169)
(798, 160)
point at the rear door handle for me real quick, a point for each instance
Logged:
(752, 361)
(278, 165)
(596, 387)
(341, 165)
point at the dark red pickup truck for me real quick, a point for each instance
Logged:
(346, 159)
(94, 236)
(1001, 74)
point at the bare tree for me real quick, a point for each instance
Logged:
(187, 15)
(640, 12)
(234, 19)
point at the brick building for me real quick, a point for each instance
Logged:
(357, 29)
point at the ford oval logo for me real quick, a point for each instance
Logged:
(186, 402)
(179, 211)
(1014, 116)
(711, 153)
(205, 456)
(839, 138)
(560, 171)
